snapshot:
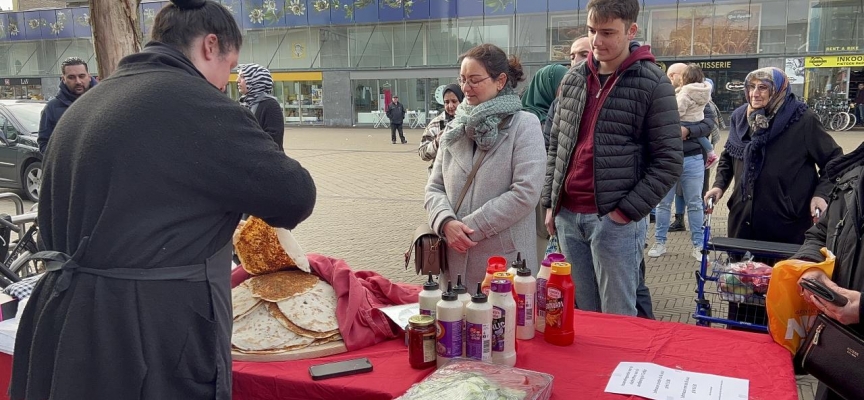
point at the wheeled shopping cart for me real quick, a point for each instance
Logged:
(734, 299)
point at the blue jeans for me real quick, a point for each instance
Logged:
(859, 113)
(691, 185)
(604, 258)
(706, 144)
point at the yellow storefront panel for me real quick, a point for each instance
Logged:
(292, 76)
(834, 61)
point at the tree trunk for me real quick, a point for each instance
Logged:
(116, 32)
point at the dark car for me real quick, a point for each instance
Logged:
(20, 159)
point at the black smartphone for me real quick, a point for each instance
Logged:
(823, 292)
(442, 124)
(340, 368)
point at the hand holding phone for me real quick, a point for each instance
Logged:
(823, 292)
(341, 368)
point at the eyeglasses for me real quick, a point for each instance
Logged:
(759, 88)
(471, 82)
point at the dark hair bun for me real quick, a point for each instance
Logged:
(189, 4)
(515, 71)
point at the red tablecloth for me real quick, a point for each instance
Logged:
(581, 370)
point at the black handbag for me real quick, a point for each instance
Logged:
(429, 248)
(834, 354)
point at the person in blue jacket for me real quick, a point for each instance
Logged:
(75, 82)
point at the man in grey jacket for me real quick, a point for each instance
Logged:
(615, 151)
(396, 114)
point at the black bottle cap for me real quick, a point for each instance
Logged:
(518, 261)
(459, 288)
(430, 284)
(523, 271)
(449, 295)
(479, 297)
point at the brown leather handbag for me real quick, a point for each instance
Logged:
(429, 248)
(834, 354)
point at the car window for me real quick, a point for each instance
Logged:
(9, 131)
(28, 114)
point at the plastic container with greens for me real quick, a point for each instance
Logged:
(467, 379)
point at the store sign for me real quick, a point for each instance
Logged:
(735, 85)
(843, 48)
(22, 81)
(739, 16)
(740, 64)
(834, 61)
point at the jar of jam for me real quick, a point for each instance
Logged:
(421, 341)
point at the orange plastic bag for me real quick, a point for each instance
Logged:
(789, 315)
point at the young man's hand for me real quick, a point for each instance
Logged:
(550, 222)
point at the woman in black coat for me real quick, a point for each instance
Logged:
(775, 144)
(256, 85)
(839, 230)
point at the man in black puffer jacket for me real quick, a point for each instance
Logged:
(76, 81)
(615, 151)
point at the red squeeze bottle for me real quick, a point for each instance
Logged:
(559, 306)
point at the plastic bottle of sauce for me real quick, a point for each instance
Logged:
(559, 306)
(449, 326)
(516, 264)
(526, 286)
(542, 279)
(503, 323)
(510, 277)
(479, 322)
(462, 293)
(495, 264)
(429, 297)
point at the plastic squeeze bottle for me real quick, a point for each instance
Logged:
(503, 323)
(449, 326)
(510, 277)
(462, 293)
(429, 297)
(495, 264)
(516, 264)
(479, 322)
(559, 306)
(542, 279)
(526, 286)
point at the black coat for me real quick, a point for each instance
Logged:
(161, 183)
(840, 229)
(270, 117)
(395, 113)
(778, 209)
(53, 111)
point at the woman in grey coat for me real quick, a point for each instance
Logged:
(496, 217)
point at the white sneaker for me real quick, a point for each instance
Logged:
(657, 250)
(697, 253)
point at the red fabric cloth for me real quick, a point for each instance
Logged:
(359, 295)
(580, 370)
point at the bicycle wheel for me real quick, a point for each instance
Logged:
(852, 121)
(835, 122)
(844, 121)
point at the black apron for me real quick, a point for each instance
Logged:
(215, 271)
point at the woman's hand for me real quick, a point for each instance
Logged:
(846, 315)
(714, 193)
(550, 222)
(456, 234)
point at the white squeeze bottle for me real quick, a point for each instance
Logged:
(479, 327)
(542, 279)
(463, 296)
(429, 297)
(503, 323)
(449, 326)
(514, 266)
(526, 288)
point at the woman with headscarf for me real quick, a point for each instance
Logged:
(453, 96)
(495, 217)
(256, 85)
(775, 144)
(539, 97)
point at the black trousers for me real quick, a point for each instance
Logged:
(393, 128)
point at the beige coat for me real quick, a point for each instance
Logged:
(692, 99)
(499, 206)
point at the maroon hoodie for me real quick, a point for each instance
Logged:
(579, 186)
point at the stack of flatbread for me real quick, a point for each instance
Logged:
(278, 310)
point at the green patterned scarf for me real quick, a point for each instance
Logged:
(480, 122)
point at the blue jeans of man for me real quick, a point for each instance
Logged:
(691, 186)
(859, 113)
(604, 257)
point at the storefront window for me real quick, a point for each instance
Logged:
(443, 44)
(703, 30)
(564, 29)
(531, 38)
(299, 93)
(21, 88)
(408, 40)
(371, 97)
(836, 27)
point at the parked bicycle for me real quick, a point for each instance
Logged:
(834, 113)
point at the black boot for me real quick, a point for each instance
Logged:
(678, 224)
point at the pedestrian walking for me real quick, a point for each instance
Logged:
(396, 114)
(256, 86)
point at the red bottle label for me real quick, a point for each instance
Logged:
(554, 307)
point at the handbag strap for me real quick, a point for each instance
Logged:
(469, 181)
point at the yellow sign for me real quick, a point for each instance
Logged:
(834, 61)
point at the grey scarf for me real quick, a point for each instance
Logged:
(480, 122)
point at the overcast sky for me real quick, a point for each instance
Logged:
(6, 4)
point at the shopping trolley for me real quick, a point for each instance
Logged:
(727, 297)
